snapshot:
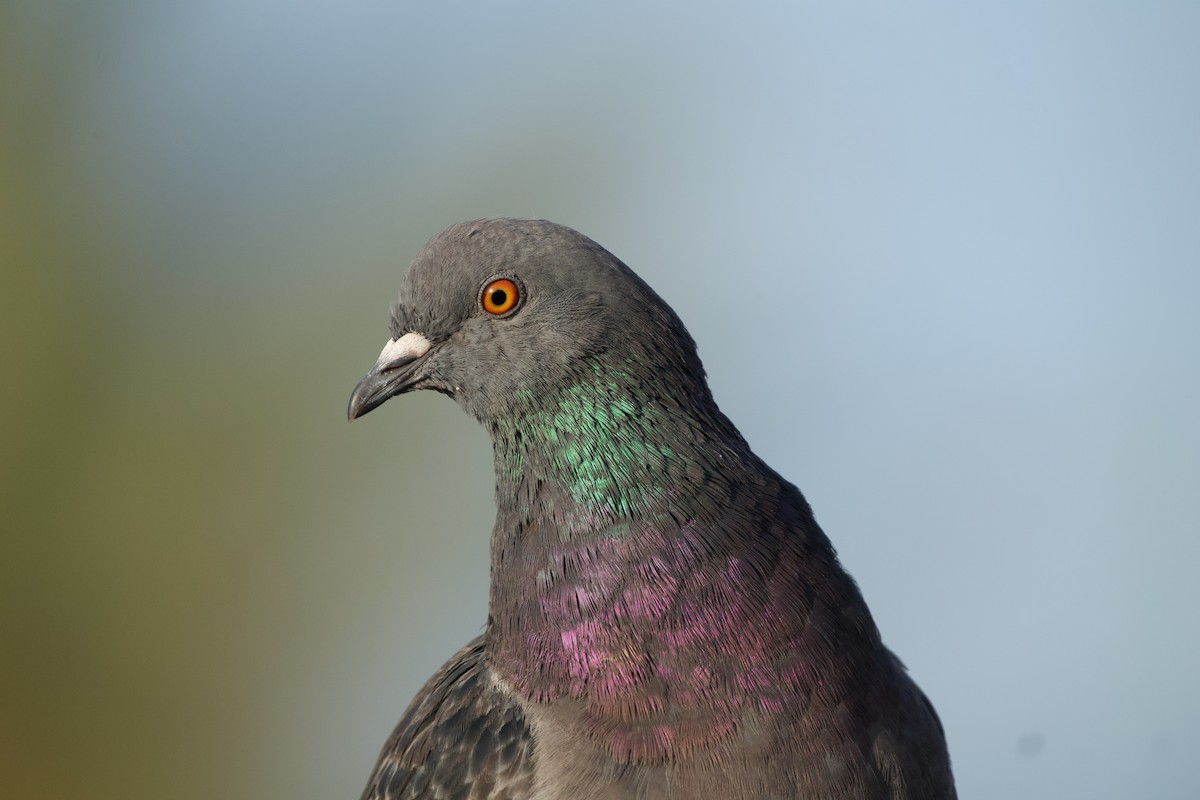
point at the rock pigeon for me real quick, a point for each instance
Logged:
(666, 618)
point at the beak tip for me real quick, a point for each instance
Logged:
(389, 377)
(360, 403)
(370, 393)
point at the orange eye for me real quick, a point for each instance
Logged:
(500, 296)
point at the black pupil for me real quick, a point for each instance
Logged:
(499, 296)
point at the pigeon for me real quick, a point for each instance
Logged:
(666, 618)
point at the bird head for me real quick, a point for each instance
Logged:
(503, 315)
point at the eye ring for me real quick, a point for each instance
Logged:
(500, 296)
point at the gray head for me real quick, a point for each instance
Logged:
(505, 314)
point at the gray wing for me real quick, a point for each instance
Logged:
(460, 739)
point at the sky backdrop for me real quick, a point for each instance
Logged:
(941, 260)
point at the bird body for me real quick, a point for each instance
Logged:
(667, 619)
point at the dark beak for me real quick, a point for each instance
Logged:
(392, 374)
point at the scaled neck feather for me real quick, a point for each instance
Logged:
(646, 565)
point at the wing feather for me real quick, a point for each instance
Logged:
(460, 739)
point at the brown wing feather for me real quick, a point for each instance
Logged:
(460, 739)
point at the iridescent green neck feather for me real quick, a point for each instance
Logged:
(597, 449)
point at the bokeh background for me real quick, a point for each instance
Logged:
(941, 260)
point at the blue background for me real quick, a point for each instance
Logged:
(940, 260)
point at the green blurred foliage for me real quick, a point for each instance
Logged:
(176, 474)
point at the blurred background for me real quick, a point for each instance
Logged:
(956, 245)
